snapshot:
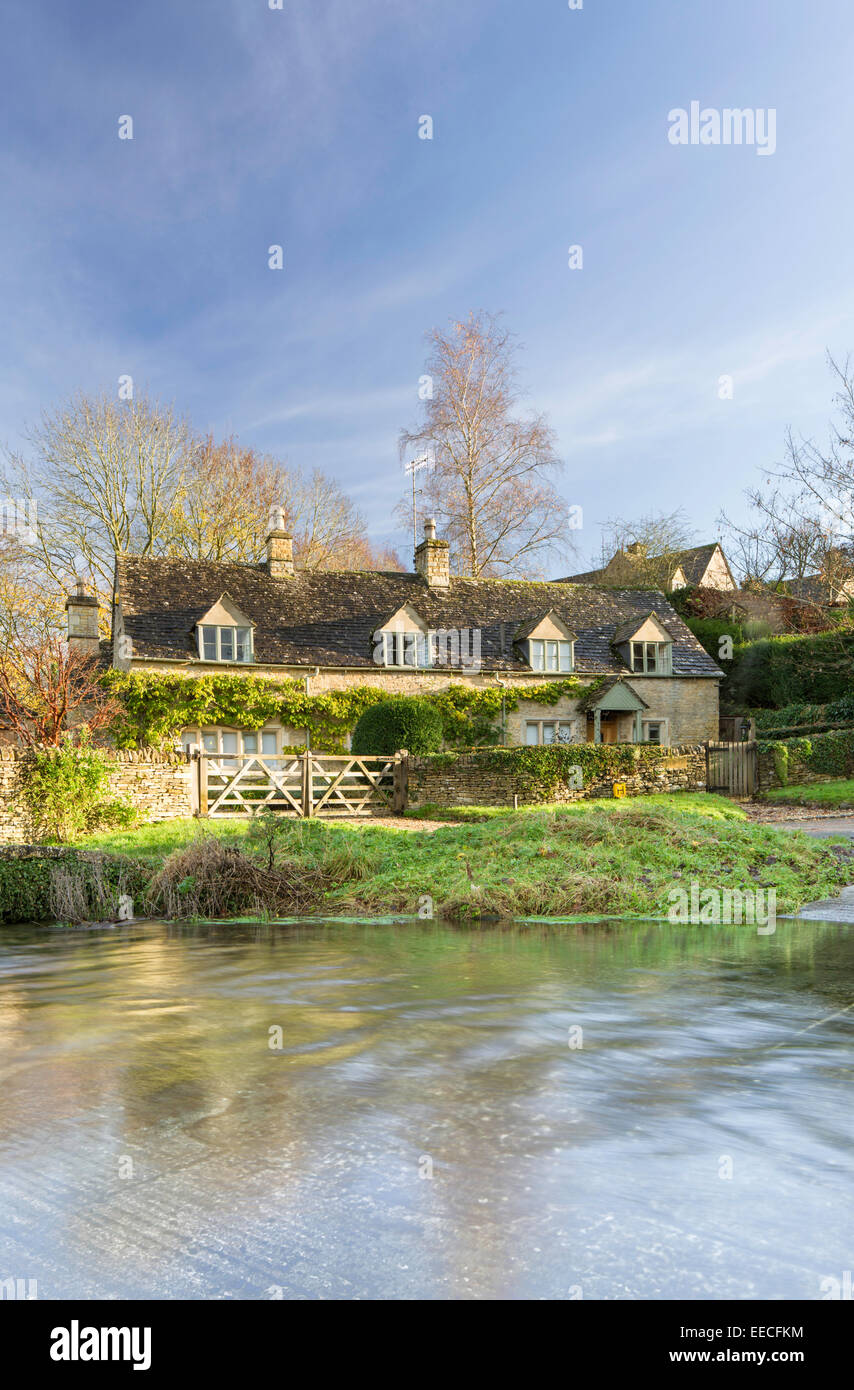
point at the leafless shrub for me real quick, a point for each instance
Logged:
(212, 879)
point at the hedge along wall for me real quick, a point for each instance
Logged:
(492, 777)
(790, 761)
(160, 784)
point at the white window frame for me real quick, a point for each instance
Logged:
(662, 656)
(408, 651)
(551, 654)
(219, 629)
(195, 738)
(569, 725)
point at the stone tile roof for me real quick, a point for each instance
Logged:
(328, 619)
(695, 562)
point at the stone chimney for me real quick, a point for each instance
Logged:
(82, 610)
(280, 547)
(431, 558)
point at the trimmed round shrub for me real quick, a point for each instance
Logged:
(403, 721)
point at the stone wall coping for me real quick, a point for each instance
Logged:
(131, 757)
(470, 755)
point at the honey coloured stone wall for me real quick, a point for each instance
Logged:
(495, 777)
(161, 784)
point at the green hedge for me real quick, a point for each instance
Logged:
(827, 755)
(791, 670)
(806, 717)
(404, 721)
(25, 881)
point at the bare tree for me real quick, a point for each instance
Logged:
(786, 538)
(325, 523)
(489, 484)
(803, 524)
(30, 604)
(109, 477)
(103, 475)
(222, 502)
(646, 550)
(823, 477)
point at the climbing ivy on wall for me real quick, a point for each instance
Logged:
(545, 768)
(155, 707)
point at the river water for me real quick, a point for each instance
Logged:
(429, 1122)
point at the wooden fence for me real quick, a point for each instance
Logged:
(302, 784)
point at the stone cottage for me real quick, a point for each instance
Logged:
(701, 566)
(413, 633)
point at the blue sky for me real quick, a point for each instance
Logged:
(299, 127)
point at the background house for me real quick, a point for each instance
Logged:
(701, 565)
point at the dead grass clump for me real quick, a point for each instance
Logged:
(210, 878)
(80, 891)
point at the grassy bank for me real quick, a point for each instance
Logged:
(588, 858)
(839, 794)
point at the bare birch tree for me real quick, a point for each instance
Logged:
(489, 484)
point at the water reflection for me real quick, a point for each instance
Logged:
(417, 1047)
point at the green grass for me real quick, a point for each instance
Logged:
(589, 858)
(152, 843)
(838, 793)
(673, 802)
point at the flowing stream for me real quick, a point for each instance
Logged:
(407, 1110)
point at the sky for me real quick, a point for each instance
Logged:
(299, 127)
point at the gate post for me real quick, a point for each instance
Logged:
(307, 787)
(203, 785)
(401, 782)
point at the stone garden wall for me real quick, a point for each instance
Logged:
(493, 777)
(160, 784)
(817, 758)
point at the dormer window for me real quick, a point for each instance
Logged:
(651, 658)
(225, 643)
(224, 633)
(547, 644)
(646, 646)
(545, 654)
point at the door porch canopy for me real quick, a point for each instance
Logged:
(619, 697)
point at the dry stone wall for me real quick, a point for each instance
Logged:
(160, 784)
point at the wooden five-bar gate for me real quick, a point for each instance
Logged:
(302, 784)
(732, 768)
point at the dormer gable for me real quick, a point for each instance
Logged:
(646, 646)
(406, 619)
(225, 633)
(403, 639)
(547, 644)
